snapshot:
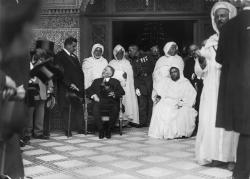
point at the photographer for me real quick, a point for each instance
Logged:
(37, 100)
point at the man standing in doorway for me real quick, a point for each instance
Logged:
(234, 93)
(143, 67)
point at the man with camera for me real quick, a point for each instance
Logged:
(106, 93)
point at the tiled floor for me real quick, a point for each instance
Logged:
(131, 156)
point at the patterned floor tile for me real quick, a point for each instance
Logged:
(154, 159)
(110, 149)
(122, 176)
(127, 164)
(50, 144)
(93, 144)
(55, 176)
(179, 154)
(155, 172)
(36, 152)
(26, 162)
(34, 170)
(182, 165)
(70, 164)
(130, 156)
(65, 148)
(53, 157)
(103, 158)
(27, 147)
(75, 141)
(82, 153)
(130, 153)
(190, 177)
(216, 172)
(93, 171)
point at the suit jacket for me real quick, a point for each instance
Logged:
(72, 73)
(234, 93)
(97, 88)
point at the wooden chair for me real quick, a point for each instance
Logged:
(88, 117)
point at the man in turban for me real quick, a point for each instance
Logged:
(213, 144)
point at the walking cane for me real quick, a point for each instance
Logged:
(85, 116)
(69, 120)
(120, 116)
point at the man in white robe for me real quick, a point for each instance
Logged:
(163, 64)
(124, 73)
(173, 113)
(93, 66)
(213, 144)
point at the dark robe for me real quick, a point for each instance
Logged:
(233, 53)
(18, 70)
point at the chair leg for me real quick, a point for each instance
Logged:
(120, 125)
(86, 127)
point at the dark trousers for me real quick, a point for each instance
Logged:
(36, 119)
(77, 117)
(13, 164)
(145, 109)
(242, 167)
(111, 108)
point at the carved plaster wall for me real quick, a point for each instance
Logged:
(58, 20)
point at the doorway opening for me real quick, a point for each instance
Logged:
(146, 34)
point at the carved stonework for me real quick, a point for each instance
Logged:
(97, 7)
(58, 21)
(58, 36)
(176, 5)
(133, 5)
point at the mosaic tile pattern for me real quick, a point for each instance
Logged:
(131, 156)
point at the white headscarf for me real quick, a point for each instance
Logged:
(179, 65)
(222, 5)
(117, 49)
(95, 47)
(167, 47)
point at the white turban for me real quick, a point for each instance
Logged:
(222, 5)
(117, 49)
(95, 47)
(168, 46)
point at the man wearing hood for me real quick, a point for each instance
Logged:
(124, 73)
(234, 94)
(93, 66)
(213, 144)
(173, 115)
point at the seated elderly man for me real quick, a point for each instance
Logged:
(173, 113)
(105, 93)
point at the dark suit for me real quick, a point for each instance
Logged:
(234, 93)
(72, 74)
(110, 104)
(143, 67)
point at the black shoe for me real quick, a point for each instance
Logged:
(41, 137)
(68, 133)
(22, 144)
(26, 140)
(101, 134)
(81, 131)
(108, 134)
